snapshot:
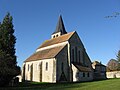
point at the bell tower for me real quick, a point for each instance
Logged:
(60, 29)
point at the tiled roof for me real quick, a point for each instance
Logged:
(82, 68)
(57, 40)
(45, 54)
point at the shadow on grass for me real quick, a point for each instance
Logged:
(50, 86)
(41, 86)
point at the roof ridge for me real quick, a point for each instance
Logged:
(59, 39)
(51, 53)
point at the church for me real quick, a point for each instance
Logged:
(62, 58)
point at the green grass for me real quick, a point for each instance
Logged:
(110, 84)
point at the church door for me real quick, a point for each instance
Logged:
(41, 72)
(62, 77)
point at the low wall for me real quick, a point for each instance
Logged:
(20, 78)
(113, 74)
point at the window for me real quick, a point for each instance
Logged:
(76, 53)
(62, 66)
(72, 55)
(46, 66)
(83, 74)
(57, 35)
(79, 56)
(28, 67)
(83, 58)
(53, 36)
(88, 74)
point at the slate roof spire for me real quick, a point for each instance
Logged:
(60, 26)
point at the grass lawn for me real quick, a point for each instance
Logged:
(110, 84)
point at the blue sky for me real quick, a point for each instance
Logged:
(35, 20)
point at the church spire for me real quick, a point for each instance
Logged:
(60, 27)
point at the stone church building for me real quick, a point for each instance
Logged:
(62, 58)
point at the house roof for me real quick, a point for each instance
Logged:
(96, 63)
(57, 40)
(51, 52)
(60, 26)
(45, 54)
(82, 68)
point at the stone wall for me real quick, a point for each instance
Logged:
(36, 71)
(75, 71)
(78, 75)
(114, 74)
(80, 57)
(62, 66)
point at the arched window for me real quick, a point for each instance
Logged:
(53, 36)
(57, 35)
(62, 67)
(83, 74)
(46, 66)
(28, 67)
(88, 74)
(72, 55)
(83, 57)
(76, 53)
(79, 56)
